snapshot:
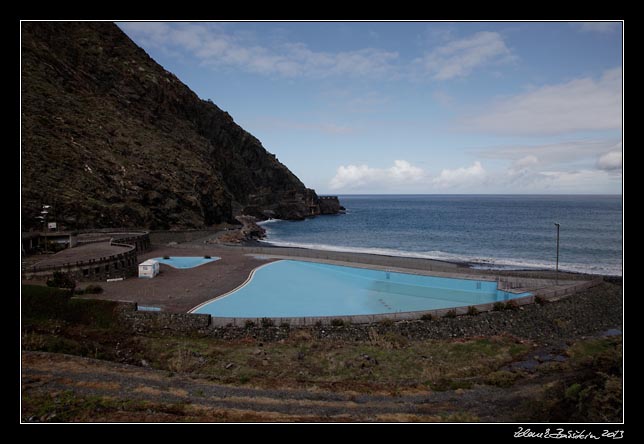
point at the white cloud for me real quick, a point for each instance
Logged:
(522, 165)
(575, 181)
(211, 44)
(459, 58)
(352, 177)
(403, 170)
(526, 162)
(610, 161)
(600, 27)
(556, 155)
(459, 177)
(578, 105)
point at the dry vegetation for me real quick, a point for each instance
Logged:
(387, 377)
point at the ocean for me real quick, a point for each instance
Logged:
(484, 231)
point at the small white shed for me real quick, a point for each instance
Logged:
(148, 269)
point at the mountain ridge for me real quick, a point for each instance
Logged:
(111, 138)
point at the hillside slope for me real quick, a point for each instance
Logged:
(110, 138)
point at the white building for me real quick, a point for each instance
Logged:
(148, 269)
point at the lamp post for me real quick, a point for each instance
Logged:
(44, 214)
(557, 263)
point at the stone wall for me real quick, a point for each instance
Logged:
(140, 241)
(145, 321)
(121, 265)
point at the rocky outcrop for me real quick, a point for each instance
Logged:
(110, 138)
(330, 205)
(249, 231)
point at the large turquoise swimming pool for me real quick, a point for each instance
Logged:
(300, 289)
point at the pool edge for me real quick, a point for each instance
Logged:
(228, 293)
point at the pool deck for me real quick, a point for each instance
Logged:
(179, 290)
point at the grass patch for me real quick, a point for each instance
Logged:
(590, 389)
(501, 378)
(388, 361)
(583, 351)
(67, 406)
(444, 384)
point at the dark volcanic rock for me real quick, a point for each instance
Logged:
(110, 138)
(330, 205)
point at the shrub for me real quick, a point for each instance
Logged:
(450, 314)
(472, 310)
(395, 340)
(501, 378)
(267, 322)
(318, 323)
(498, 306)
(337, 322)
(62, 280)
(511, 305)
(427, 317)
(540, 300)
(285, 324)
(249, 323)
(387, 322)
(93, 289)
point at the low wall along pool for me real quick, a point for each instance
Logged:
(290, 288)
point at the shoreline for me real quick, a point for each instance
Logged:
(470, 266)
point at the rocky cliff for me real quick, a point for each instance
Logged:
(110, 138)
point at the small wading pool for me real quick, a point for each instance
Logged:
(304, 289)
(185, 261)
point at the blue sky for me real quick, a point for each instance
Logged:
(414, 107)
